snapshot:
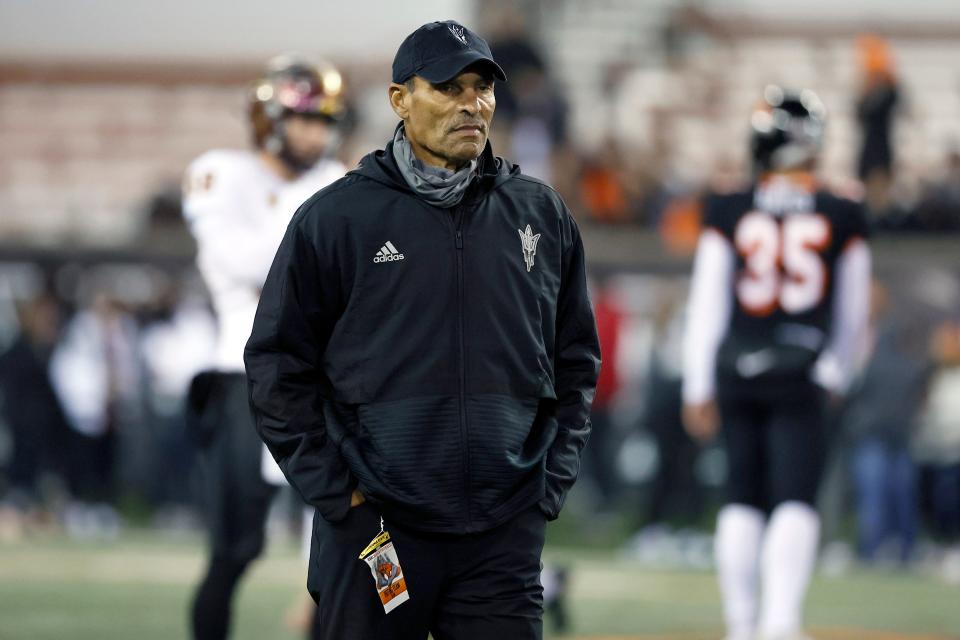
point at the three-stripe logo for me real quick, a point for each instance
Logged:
(388, 253)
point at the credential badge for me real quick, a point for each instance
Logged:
(458, 33)
(529, 242)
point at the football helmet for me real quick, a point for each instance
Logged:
(786, 129)
(293, 84)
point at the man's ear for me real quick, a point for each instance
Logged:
(398, 94)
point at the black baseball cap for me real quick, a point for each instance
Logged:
(438, 51)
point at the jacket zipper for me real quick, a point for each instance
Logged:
(458, 220)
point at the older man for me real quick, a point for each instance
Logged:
(422, 365)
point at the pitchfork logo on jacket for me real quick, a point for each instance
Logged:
(529, 242)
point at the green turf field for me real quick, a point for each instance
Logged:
(138, 588)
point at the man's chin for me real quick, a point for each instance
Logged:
(310, 160)
(467, 151)
(299, 163)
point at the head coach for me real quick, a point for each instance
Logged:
(422, 365)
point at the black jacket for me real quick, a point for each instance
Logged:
(407, 348)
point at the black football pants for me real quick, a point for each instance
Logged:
(236, 505)
(776, 447)
(483, 586)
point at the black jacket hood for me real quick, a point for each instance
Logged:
(381, 166)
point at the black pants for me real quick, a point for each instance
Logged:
(675, 496)
(238, 498)
(776, 446)
(478, 586)
(237, 501)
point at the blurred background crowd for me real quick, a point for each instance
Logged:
(633, 109)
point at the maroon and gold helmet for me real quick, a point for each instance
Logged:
(293, 84)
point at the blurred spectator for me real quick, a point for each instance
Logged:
(939, 208)
(95, 372)
(520, 60)
(882, 412)
(530, 105)
(177, 341)
(164, 228)
(602, 188)
(879, 94)
(938, 442)
(600, 456)
(676, 498)
(680, 224)
(30, 408)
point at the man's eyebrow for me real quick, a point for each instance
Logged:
(457, 83)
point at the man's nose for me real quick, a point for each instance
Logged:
(470, 102)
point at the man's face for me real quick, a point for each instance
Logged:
(307, 138)
(446, 123)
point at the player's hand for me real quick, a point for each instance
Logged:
(945, 344)
(835, 400)
(701, 420)
(356, 498)
(299, 616)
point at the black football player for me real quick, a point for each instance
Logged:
(777, 313)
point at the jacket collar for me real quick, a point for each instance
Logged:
(381, 167)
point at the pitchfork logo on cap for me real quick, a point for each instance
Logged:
(458, 33)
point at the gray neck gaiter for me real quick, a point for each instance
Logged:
(439, 187)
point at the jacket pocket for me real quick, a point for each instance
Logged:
(412, 453)
(508, 440)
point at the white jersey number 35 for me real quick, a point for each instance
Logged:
(783, 266)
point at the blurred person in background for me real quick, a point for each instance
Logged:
(96, 373)
(531, 108)
(423, 362)
(939, 208)
(676, 498)
(777, 312)
(602, 185)
(878, 422)
(31, 410)
(238, 204)
(177, 341)
(600, 458)
(937, 445)
(876, 105)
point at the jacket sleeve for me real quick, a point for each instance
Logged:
(301, 302)
(576, 368)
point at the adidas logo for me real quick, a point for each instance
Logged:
(388, 253)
